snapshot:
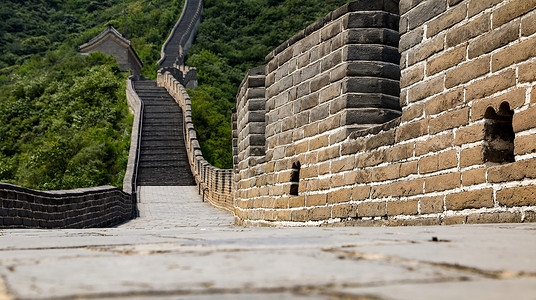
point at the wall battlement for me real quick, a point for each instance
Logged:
(393, 113)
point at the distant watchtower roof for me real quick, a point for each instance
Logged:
(98, 43)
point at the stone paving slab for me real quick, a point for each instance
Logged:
(182, 248)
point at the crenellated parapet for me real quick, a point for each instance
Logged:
(350, 138)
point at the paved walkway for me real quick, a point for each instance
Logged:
(181, 248)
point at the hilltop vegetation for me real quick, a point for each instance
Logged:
(235, 36)
(64, 120)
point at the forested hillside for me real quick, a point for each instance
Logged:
(64, 120)
(235, 36)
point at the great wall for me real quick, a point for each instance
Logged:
(381, 113)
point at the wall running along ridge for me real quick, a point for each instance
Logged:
(334, 147)
(215, 185)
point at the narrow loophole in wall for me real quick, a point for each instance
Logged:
(295, 179)
(499, 135)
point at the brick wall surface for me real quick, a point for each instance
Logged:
(83, 208)
(462, 150)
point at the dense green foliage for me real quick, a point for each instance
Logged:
(64, 121)
(35, 26)
(234, 36)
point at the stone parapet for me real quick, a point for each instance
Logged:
(135, 105)
(337, 148)
(81, 208)
(216, 185)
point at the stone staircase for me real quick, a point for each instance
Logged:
(163, 157)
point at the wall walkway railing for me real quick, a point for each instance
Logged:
(215, 185)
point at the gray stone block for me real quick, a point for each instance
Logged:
(368, 116)
(371, 85)
(372, 53)
(373, 69)
(373, 19)
(373, 36)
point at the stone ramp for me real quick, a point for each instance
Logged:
(164, 207)
(163, 157)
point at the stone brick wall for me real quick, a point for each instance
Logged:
(82, 208)
(135, 106)
(462, 151)
(216, 185)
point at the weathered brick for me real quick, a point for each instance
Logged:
(528, 26)
(425, 11)
(469, 30)
(363, 176)
(471, 199)
(469, 134)
(514, 54)
(474, 176)
(319, 213)
(380, 191)
(431, 205)
(399, 152)
(309, 172)
(518, 196)
(493, 40)
(491, 85)
(449, 120)
(319, 142)
(426, 49)
(513, 171)
(435, 144)
(495, 217)
(525, 120)
(370, 159)
(412, 130)
(441, 161)
(344, 211)
(280, 203)
(341, 165)
(527, 71)
(512, 10)
(407, 188)
(425, 89)
(515, 98)
(386, 173)
(316, 200)
(336, 181)
(410, 39)
(478, 6)
(330, 92)
(404, 207)
(467, 72)
(442, 182)
(453, 220)
(444, 102)
(412, 112)
(296, 201)
(525, 144)
(384, 138)
(360, 193)
(446, 60)
(533, 95)
(339, 196)
(471, 156)
(372, 209)
(412, 75)
(409, 168)
(299, 215)
(451, 17)
(328, 153)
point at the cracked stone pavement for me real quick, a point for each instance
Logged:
(182, 248)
